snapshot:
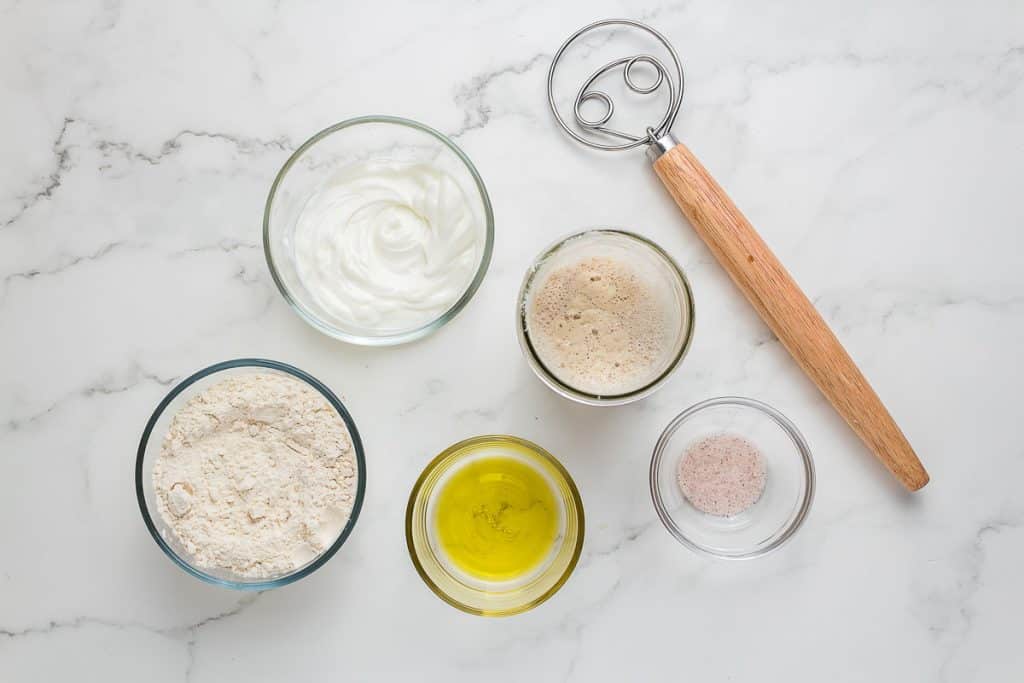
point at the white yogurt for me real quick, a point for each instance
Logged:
(388, 246)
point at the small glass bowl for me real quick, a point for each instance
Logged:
(149, 451)
(473, 595)
(789, 485)
(318, 160)
(601, 239)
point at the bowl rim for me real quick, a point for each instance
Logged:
(357, 445)
(563, 389)
(577, 505)
(404, 336)
(785, 424)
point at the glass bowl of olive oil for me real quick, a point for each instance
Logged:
(494, 525)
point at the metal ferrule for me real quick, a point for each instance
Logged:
(660, 146)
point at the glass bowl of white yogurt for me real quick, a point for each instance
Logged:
(604, 316)
(378, 230)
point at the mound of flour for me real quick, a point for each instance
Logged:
(256, 475)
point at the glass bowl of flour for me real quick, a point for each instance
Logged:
(250, 474)
(378, 230)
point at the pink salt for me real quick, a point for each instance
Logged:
(722, 474)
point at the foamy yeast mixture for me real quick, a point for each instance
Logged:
(604, 317)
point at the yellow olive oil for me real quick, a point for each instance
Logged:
(496, 518)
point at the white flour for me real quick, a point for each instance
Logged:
(256, 475)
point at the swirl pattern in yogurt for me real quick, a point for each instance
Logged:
(387, 246)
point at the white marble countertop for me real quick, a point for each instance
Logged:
(878, 148)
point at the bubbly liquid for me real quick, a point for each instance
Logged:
(600, 324)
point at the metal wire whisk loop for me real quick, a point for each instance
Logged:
(586, 93)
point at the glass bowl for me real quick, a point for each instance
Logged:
(493, 599)
(599, 241)
(149, 450)
(319, 159)
(789, 484)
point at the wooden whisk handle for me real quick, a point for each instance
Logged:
(787, 311)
